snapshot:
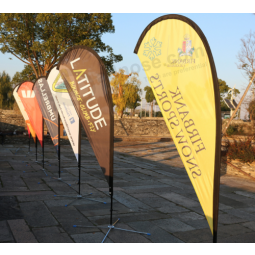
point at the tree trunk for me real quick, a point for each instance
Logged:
(151, 109)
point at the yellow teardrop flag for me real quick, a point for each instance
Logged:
(179, 66)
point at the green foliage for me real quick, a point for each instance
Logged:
(223, 87)
(125, 90)
(242, 150)
(224, 108)
(232, 130)
(159, 114)
(6, 98)
(132, 92)
(235, 130)
(27, 74)
(39, 39)
(149, 96)
(251, 110)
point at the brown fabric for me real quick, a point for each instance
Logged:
(87, 82)
(217, 105)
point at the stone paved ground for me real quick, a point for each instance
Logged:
(152, 194)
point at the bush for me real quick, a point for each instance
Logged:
(242, 150)
(232, 130)
(251, 110)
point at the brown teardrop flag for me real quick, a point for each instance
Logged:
(32, 108)
(87, 82)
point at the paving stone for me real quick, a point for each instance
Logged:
(198, 209)
(178, 199)
(243, 238)
(245, 193)
(120, 236)
(177, 184)
(9, 208)
(143, 195)
(195, 236)
(21, 231)
(230, 202)
(187, 216)
(34, 196)
(250, 225)
(172, 208)
(154, 201)
(5, 232)
(51, 235)
(229, 219)
(151, 192)
(172, 225)
(224, 207)
(198, 224)
(35, 184)
(250, 209)
(128, 217)
(70, 216)
(61, 188)
(130, 201)
(37, 214)
(158, 235)
(241, 214)
(231, 230)
(96, 237)
(89, 207)
(144, 187)
(244, 200)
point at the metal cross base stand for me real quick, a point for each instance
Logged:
(44, 171)
(110, 227)
(79, 197)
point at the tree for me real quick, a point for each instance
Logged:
(27, 74)
(132, 93)
(39, 39)
(251, 110)
(149, 96)
(246, 55)
(223, 87)
(125, 90)
(117, 82)
(6, 98)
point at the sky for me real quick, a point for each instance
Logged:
(222, 30)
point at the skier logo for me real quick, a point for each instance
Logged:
(59, 85)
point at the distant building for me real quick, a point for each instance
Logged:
(225, 114)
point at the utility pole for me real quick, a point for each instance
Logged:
(141, 112)
(239, 104)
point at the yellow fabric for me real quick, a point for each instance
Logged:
(31, 130)
(178, 69)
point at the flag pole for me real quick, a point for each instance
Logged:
(36, 148)
(238, 106)
(43, 140)
(214, 236)
(79, 156)
(59, 146)
(111, 194)
(79, 196)
(43, 146)
(29, 138)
